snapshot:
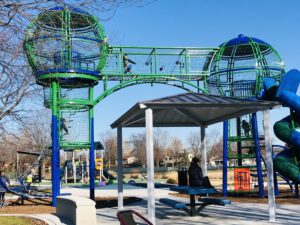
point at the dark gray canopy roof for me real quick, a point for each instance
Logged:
(190, 110)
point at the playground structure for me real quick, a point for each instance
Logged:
(69, 54)
(238, 70)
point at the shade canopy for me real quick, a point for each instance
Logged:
(190, 110)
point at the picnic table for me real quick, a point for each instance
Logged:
(192, 208)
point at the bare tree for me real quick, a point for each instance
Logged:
(194, 143)
(138, 142)
(32, 137)
(175, 148)
(160, 145)
(109, 141)
(17, 85)
(216, 151)
(38, 130)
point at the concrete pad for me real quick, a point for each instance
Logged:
(234, 214)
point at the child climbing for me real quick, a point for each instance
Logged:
(127, 63)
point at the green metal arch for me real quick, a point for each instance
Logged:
(142, 80)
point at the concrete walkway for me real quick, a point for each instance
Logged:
(234, 214)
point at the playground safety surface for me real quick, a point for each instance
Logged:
(39, 207)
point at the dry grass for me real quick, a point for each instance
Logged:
(16, 220)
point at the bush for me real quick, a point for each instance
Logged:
(171, 181)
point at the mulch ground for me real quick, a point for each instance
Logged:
(44, 206)
(34, 206)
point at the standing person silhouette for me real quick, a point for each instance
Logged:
(196, 178)
(127, 63)
(3, 183)
(63, 125)
(246, 128)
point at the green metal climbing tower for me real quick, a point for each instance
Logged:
(66, 48)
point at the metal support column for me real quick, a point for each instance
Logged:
(203, 151)
(269, 164)
(225, 156)
(150, 165)
(55, 144)
(92, 147)
(120, 168)
(257, 156)
(74, 167)
(239, 143)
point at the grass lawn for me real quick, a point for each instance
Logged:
(15, 220)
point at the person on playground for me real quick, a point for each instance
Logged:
(127, 63)
(63, 125)
(4, 181)
(246, 128)
(29, 182)
(196, 178)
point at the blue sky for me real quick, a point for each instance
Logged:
(196, 23)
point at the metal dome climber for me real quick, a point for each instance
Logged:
(238, 68)
(66, 44)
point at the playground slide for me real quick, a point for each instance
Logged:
(19, 190)
(108, 175)
(288, 93)
(44, 152)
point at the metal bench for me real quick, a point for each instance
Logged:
(215, 201)
(193, 208)
(173, 203)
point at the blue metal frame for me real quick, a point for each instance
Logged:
(92, 161)
(241, 39)
(66, 70)
(71, 36)
(70, 8)
(225, 157)
(55, 147)
(257, 156)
